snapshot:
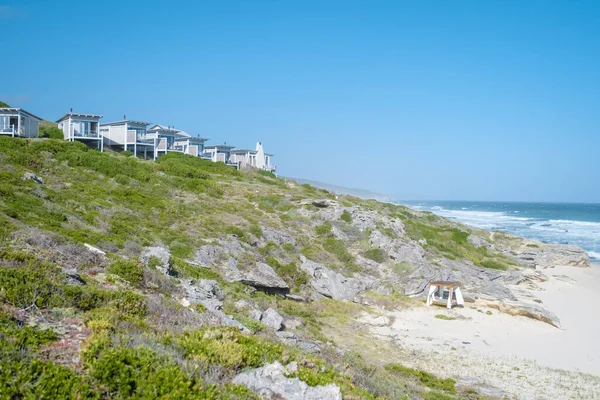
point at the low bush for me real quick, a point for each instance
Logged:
(425, 378)
(376, 254)
(131, 271)
(346, 216)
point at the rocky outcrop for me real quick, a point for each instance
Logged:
(333, 284)
(271, 382)
(272, 319)
(524, 309)
(33, 177)
(262, 276)
(204, 291)
(548, 256)
(162, 254)
(480, 242)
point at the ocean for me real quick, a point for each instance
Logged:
(560, 223)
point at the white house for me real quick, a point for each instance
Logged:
(129, 135)
(18, 122)
(218, 152)
(189, 145)
(82, 127)
(170, 139)
(245, 158)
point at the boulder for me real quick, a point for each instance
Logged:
(94, 249)
(33, 177)
(332, 284)
(272, 319)
(264, 277)
(523, 309)
(204, 291)
(270, 382)
(278, 236)
(162, 254)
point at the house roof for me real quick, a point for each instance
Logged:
(219, 147)
(175, 131)
(243, 151)
(67, 115)
(126, 121)
(18, 110)
(192, 139)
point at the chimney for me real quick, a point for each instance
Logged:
(71, 110)
(124, 117)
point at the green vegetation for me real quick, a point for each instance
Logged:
(452, 243)
(426, 378)
(376, 254)
(129, 270)
(123, 319)
(346, 216)
(445, 317)
(51, 132)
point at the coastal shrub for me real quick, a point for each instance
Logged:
(127, 153)
(346, 216)
(376, 254)
(425, 378)
(129, 270)
(338, 248)
(445, 317)
(324, 229)
(493, 264)
(51, 132)
(290, 273)
(228, 347)
(130, 303)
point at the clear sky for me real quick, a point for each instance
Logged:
(474, 100)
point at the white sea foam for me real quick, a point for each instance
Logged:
(580, 233)
(593, 255)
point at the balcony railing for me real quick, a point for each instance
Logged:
(9, 130)
(85, 134)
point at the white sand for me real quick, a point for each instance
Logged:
(524, 357)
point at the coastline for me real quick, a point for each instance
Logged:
(522, 357)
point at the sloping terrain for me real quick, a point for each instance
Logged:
(184, 278)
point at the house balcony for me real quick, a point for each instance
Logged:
(10, 130)
(91, 134)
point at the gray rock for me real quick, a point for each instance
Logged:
(278, 236)
(161, 253)
(548, 256)
(263, 276)
(480, 242)
(332, 284)
(296, 297)
(270, 382)
(204, 291)
(272, 319)
(256, 314)
(33, 177)
(206, 255)
(524, 309)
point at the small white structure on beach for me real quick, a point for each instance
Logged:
(443, 293)
(82, 127)
(18, 122)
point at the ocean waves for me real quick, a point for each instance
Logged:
(511, 219)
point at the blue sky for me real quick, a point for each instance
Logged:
(477, 100)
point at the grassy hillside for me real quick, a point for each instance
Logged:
(74, 323)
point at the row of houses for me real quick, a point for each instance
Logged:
(143, 139)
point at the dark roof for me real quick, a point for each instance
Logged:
(20, 110)
(67, 115)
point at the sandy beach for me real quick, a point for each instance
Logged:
(522, 357)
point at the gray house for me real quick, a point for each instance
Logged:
(83, 128)
(129, 135)
(18, 122)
